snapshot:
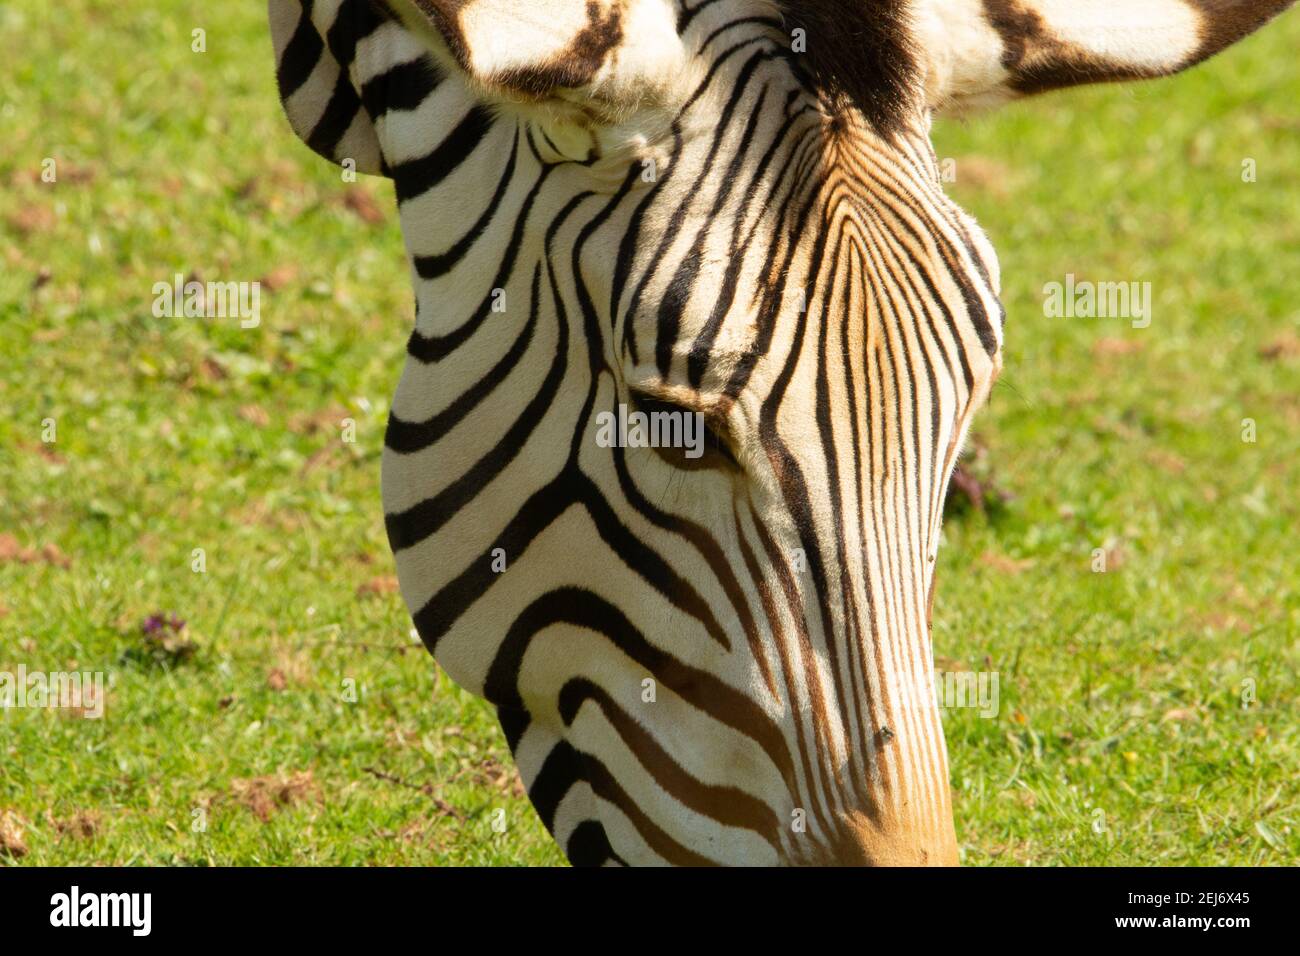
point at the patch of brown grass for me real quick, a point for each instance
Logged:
(11, 550)
(255, 415)
(13, 832)
(1109, 347)
(32, 219)
(360, 202)
(292, 667)
(1004, 564)
(492, 773)
(1284, 346)
(266, 796)
(82, 825)
(378, 587)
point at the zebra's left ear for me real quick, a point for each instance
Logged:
(513, 52)
(315, 52)
(982, 52)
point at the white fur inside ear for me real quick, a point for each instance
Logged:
(505, 35)
(963, 51)
(647, 59)
(1150, 35)
(962, 54)
(651, 54)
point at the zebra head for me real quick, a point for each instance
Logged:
(698, 338)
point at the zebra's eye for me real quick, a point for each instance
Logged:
(683, 437)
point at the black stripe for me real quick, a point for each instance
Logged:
(300, 56)
(410, 527)
(559, 772)
(338, 116)
(434, 267)
(403, 87)
(435, 348)
(416, 176)
(589, 846)
(407, 437)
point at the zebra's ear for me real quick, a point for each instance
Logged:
(315, 53)
(518, 50)
(982, 52)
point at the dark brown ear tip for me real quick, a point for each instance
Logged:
(1223, 24)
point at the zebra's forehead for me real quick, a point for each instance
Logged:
(624, 54)
(737, 164)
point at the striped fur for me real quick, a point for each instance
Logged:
(659, 202)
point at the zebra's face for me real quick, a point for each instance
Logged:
(776, 328)
(698, 338)
(801, 283)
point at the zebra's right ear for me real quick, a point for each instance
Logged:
(982, 52)
(315, 51)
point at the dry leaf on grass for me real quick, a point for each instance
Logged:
(363, 204)
(378, 586)
(82, 825)
(492, 773)
(328, 455)
(13, 830)
(11, 550)
(1005, 565)
(1167, 461)
(1109, 347)
(265, 796)
(1285, 346)
(213, 370)
(48, 453)
(972, 486)
(278, 278)
(1116, 557)
(291, 665)
(30, 219)
(325, 420)
(255, 415)
(51, 554)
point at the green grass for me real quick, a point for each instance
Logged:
(1120, 692)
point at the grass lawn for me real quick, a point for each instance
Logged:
(1148, 713)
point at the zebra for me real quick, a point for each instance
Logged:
(722, 209)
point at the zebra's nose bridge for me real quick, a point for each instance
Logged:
(863, 490)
